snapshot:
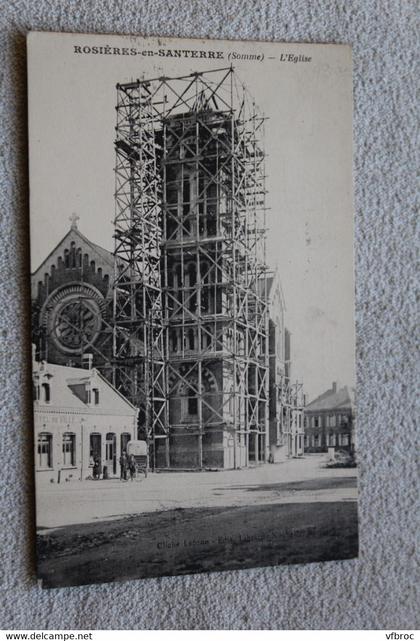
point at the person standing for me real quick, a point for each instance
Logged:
(97, 468)
(132, 467)
(123, 466)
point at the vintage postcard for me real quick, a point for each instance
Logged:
(192, 305)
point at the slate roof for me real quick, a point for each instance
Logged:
(65, 381)
(339, 400)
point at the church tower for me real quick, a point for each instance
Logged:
(204, 135)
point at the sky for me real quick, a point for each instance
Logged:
(308, 142)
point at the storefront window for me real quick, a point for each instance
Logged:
(69, 449)
(44, 450)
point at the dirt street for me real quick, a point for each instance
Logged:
(296, 480)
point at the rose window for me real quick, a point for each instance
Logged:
(73, 317)
(76, 324)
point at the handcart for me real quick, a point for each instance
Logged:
(140, 452)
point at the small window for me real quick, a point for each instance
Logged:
(44, 450)
(69, 449)
(95, 396)
(192, 405)
(46, 391)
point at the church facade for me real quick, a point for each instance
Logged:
(72, 303)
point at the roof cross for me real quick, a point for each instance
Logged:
(73, 219)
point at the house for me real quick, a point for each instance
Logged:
(329, 420)
(78, 417)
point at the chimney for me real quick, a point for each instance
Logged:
(87, 360)
(334, 387)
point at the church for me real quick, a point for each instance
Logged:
(72, 306)
(72, 302)
(184, 318)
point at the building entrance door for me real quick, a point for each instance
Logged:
(95, 447)
(111, 453)
(125, 438)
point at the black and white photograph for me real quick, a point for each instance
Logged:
(192, 300)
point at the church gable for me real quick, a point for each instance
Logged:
(72, 302)
(75, 259)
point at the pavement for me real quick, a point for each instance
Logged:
(293, 481)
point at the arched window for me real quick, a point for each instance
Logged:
(69, 449)
(73, 254)
(192, 275)
(44, 450)
(46, 392)
(218, 301)
(186, 195)
(174, 341)
(205, 300)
